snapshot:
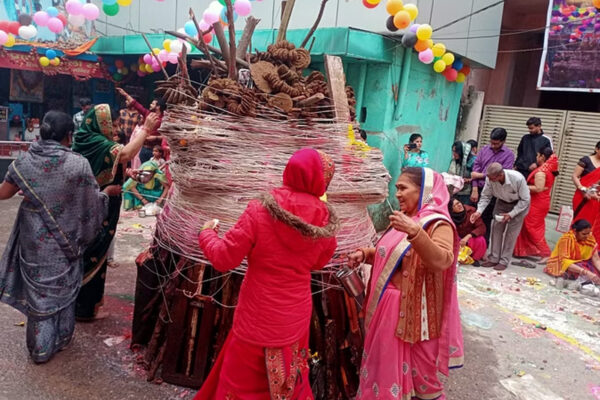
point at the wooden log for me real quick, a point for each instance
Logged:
(200, 45)
(336, 83)
(206, 64)
(244, 43)
(285, 20)
(220, 34)
(315, 25)
(232, 70)
(314, 99)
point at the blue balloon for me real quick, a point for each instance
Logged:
(52, 11)
(224, 15)
(190, 28)
(458, 64)
(109, 2)
(112, 69)
(51, 54)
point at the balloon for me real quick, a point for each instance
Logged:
(3, 37)
(439, 49)
(204, 26)
(409, 39)
(147, 58)
(172, 58)
(242, 7)
(149, 68)
(109, 2)
(25, 19)
(402, 19)
(155, 67)
(51, 54)
(393, 6)
(74, 7)
(210, 17)
(55, 62)
(413, 28)
(167, 44)
(596, 3)
(466, 70)
(176, 47)
(41, 18)
(190, 29)
(62, 19)
(28, 32)
(91, 11)
(426, 56)
(389, 24)
(55, 25)
(163, 55)
(155, 50)
(119, 63)
(451, 75)
(439, 66)
(76, 20)
(10, 42)
(13, 27)
(224, 16)
(44, 62)
(457, 64)
(52, 11)
(424, 32)
(112, 10)
(421, 45)
(412, 10)
(141, 73)
(117, 76)
(460, 77)
(207, 38)
(124, 3)
(376, 2)
(223, 2)
(369, 5)
(124, 70)
(448, 58)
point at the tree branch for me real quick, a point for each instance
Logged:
(315, 25)
(251, 23)
(232, 73)
(285, 20)
(155, 56)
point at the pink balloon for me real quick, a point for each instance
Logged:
(242, 7)
(148, 58)
(210, 17)
(41, 18)
(172, 58)
(3, 37)
(426, 56)
(155, 67)
(141, 73)
(91, 11)
(55, 25)
(74, 7)
(163, 55)
(204, 26)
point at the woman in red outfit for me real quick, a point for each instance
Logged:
(285, 235)
(532, 241)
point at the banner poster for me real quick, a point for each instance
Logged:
(571, 56)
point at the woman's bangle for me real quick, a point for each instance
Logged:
(364, 259)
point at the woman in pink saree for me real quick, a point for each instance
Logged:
(412, 319)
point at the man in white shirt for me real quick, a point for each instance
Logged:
(512, 205)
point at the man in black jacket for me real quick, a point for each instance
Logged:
(530, 145)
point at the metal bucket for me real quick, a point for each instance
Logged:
(351, 281)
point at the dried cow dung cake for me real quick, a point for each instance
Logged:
(259, 70)
(282, 101)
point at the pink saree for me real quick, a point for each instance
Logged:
(391, 367)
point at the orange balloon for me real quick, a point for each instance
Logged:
(402, 19)
(421, 45)
(393, 6)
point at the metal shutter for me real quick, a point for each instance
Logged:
(513, 120)
(582, 132)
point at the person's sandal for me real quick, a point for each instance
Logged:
(524, 264)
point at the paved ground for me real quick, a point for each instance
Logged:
(524, 339)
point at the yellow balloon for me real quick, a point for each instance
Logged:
(460, 78)
(429, 43)
(124, 71)
(149, 68)
(373, 1)
(10, 42)
(438, 49)
(412, 10)
(393, 6)
(156, 50)
(55, 61)
(424, 32)
(167, 45)
(124, 3)
(448, 58)
(44, 61)
(439, 66)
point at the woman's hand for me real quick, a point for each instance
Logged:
(403, 223)
(113, 190)
(356, 258)
(465, 240)
(132, 173)
(474, 195)
(211, 224)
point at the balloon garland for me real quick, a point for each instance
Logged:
(418, 37)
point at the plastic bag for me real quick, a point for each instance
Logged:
(464, 256)
(565, 218)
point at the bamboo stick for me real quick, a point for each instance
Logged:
(285, 20)
(155, 56)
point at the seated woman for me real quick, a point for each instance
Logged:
(576, 254)
(151, 186)
(531, 242)
(470, 234)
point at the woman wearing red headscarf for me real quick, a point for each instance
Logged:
(532, 241)
(285, 235)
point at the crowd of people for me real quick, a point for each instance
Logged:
(55, 263)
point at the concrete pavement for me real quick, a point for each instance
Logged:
(523, 338)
